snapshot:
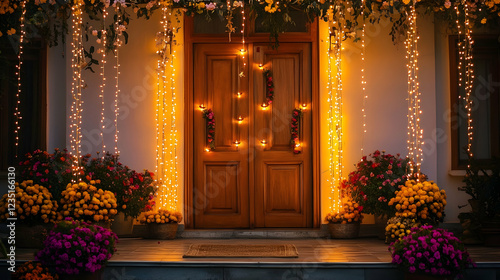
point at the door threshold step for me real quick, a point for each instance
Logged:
(253, 233)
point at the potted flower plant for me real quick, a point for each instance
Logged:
(77, 250)
(421, 200)
(345, 223)
(375, 181)
(430, 251)
(399, 227)
(33, 271)
(50, 170)
(481, 183)
(34, 208)
(161, 224)
(88, 203)
(134, 191)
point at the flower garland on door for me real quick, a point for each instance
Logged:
(295, 123)
(208, 114)
(268, 75)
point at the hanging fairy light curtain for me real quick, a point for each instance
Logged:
(466, 67)
(363, 77)
(334, 87)
(77, 63)
(414, 142)
(166, 125)
(119, 27)
(17, 111)
(103, 41)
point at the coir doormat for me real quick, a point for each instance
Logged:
(241, 251)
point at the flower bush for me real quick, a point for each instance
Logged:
(33, 204)
(431, 251)
(88, 203)
(375, 181)
(50, 170)
(134, 192)
(349, 213)
(74, 247)
(161, 216)
(398, 227)
(33, 271)
(421, 200)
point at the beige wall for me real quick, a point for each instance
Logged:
(386, 106)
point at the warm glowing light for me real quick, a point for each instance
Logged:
(240, 119)
(304, 106)
(415, 132)
(237, 143)
(17, 112)
(263, 142)
(261, 67)
(264, 105)
(77, 83)
(334, 88)
(166, 124)
(469, 80)
(202, 107)
(103, 77)
(363, 79)
(239, 94)
(207, 150)
(117, 44)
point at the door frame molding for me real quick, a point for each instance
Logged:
(189, 110)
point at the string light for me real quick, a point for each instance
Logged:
(469, 79)
(103, 77)
(117, 44)
(334, 88)
(17, 112)
(173, 134)
(77, 63)
(363, 79)
(414, 130)
(166, 102)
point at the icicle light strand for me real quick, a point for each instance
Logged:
(103, 77)
(17, 111)
(117, 44)
(414, 96)
(469, 79)
(77, 63)
(363, 78)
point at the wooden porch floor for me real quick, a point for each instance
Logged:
(319, 258)
(310, 250)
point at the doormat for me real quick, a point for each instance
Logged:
(241, 251)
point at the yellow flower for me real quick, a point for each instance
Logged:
(406, 2)
(11, 31)
(483, 21)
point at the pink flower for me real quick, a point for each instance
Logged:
(210, 6)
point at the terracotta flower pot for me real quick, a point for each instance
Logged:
(123, 225)
(162, 231)
(344, 231)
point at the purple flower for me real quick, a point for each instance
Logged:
(421, 266)
(437, 255)
(412, 269)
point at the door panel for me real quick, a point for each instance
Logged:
(283, 188)
(220, 176)
(283, 182)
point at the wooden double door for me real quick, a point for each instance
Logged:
(252, 178)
